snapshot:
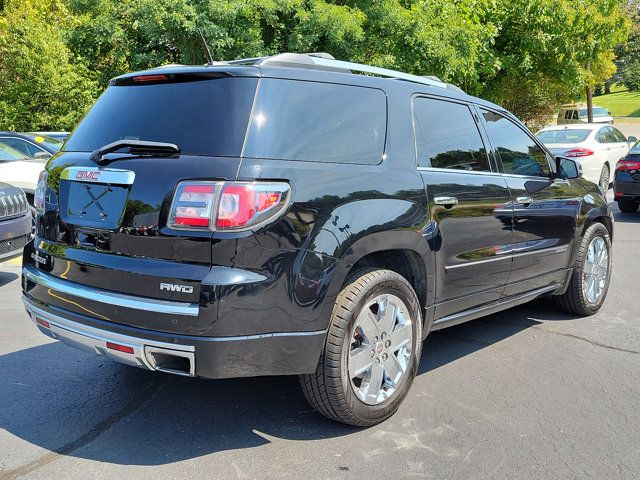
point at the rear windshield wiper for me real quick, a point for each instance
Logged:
(136, 147)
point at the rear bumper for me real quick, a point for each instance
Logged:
(281, 353)
(626, 188)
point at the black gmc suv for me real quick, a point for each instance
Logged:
(287, 215)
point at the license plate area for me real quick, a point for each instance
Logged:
(93, 199)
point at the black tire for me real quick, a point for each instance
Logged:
(329, 389)
(627, 205)
(605, 176)
(574, 300)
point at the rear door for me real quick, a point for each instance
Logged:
(544, 221)
(470, 206)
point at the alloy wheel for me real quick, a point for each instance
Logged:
(595, 270)
(380, 349)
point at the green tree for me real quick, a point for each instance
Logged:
(41, 84)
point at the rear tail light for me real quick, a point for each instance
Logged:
(578, 152)
(628, 165)
(150, 78)
(228, 206)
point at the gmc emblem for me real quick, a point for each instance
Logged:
(172, 287)
(88, 175)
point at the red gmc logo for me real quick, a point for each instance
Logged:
(85, 175)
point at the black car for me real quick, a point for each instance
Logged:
(626, 182)
(289, 216)
(15, 221)
(31, 144)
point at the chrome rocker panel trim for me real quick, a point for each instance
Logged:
(108, 297)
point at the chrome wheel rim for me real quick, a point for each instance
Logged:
(595, 270)
(381, 344)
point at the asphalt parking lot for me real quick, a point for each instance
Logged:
(528, 393)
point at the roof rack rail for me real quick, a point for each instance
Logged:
(325, 61)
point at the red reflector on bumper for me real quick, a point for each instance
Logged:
(42, 322)
(120, 348)
(619, 194)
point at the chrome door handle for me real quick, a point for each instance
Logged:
(447, 201)
(525, 200)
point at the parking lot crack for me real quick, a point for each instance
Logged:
(102, 426)
(588, 340)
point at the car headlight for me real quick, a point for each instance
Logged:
(41, 192)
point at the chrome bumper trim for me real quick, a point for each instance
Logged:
(108, 297)
(94, 340)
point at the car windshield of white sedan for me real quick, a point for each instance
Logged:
(597, 112)
(8, 154)
(565, 135)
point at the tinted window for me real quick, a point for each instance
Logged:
(606, 135)
(519, 153)
(8, 154)
(618, 135)
(205, 117)
(323, 122)
(575, 115)
(25, 148)
(565, 135)
(447, 136)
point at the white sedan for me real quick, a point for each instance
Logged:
(596, 147)
(20, 171)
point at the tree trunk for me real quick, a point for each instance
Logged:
(607, 87)
(589, 105)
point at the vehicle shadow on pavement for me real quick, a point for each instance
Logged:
(74, 404)
(6, 278)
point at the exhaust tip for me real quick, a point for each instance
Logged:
(171, 361)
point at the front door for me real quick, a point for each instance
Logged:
(544, 221)
(470, 206)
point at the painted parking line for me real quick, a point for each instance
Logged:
(15, 262)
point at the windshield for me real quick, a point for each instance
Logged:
(597, 112)
(204, 117)
(8, 154)
(564, 135)
(635, 150)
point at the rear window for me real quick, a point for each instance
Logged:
(322, 122)
(203, 117)
(563, 136)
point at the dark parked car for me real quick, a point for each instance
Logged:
(15, 221)
(31, 145)
(626, 182)
(60, 136)
(286, 215)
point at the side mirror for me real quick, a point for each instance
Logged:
(568, 168)
(632, 139)
(42, 156)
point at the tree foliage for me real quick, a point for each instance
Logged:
(529, 55)
(41, 84)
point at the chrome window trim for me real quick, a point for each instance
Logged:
(109, 297)
(105, 175)
(471, 172)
